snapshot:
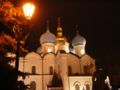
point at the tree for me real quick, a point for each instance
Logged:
(7, 44)
(99, 80)
(10, 13)
(7, 72)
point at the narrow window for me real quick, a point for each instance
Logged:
(33, 69)
(33, 85)
(77, 87)
(86, 70)
(69, 70)
(87, 87)
(51, 70)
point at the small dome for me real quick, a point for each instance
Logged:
(47, 37)
(78, 40)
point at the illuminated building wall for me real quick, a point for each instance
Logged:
(73, 70)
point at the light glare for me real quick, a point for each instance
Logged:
(28, 10)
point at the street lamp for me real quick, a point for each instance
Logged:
(28, 9)
(42, 56)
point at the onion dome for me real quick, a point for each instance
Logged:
(78, 40)
(47, 37)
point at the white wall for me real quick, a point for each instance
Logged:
(81, 81)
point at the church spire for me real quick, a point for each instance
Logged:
(59, 29)
(59, 37)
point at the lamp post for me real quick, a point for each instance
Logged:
(28, 9)
(42, 79)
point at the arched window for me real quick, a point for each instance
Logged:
(69, 70)
(87, 87)
(77, 87)
(86, 70)
(33, 85)
(33, 69)
(51, 70)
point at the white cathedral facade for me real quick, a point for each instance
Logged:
(54, 66)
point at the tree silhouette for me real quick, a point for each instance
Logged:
(7, 72)
(99, 80)
(10, 13)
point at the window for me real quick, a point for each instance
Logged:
(33, 85)
(51, 70)
(69, 70)
(33, 69)
(86, 70)
(87, 87)
(77, 87)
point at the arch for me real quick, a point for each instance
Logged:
(48, 56)
(32, 56)
(87, 82)
(76, 82)
(33, 85)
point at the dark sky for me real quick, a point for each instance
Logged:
(98, 21)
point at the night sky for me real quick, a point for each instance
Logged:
(98, 21)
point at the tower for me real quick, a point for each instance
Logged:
(61, 41)
(47, 41)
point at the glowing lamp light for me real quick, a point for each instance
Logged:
(28, 9)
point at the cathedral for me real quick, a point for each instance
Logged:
(56, 66)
